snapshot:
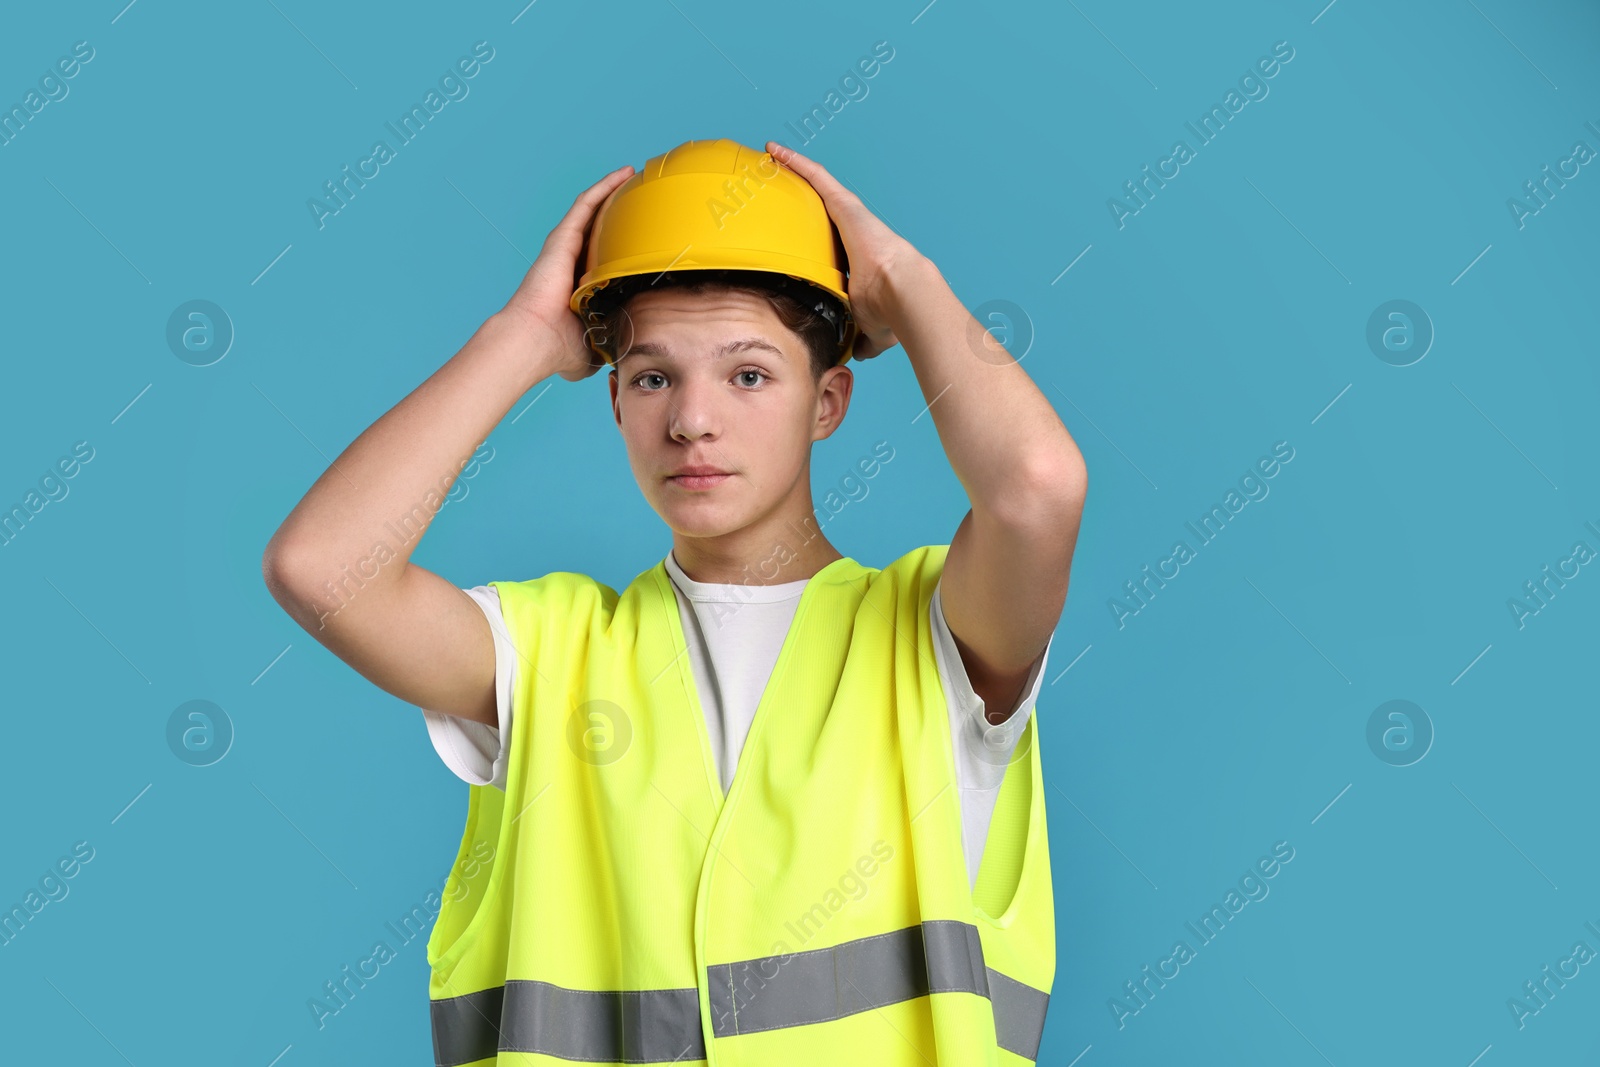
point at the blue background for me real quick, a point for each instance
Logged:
(1230, 313)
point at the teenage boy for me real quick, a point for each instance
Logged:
(766, 805)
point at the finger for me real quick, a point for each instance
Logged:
(601, 188)
(582, 210)
(833, 192)
(807, 168)
(565, 241)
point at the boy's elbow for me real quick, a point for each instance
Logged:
(1056, 486)
(282, 567)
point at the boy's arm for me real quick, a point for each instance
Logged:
(341, 562)
(1005, 575)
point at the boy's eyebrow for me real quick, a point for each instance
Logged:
(727, 348)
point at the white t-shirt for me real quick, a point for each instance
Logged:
(734, 634)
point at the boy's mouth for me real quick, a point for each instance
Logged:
(699, 478)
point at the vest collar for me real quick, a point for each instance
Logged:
(730, 592)
(662, 610)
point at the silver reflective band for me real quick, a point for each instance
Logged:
(820, 985)
(769, 993)
(1019, 1012)
(644, 1026)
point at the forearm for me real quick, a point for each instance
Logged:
(1007, 446)
(384, 489)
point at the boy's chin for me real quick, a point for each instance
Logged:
(705, 519)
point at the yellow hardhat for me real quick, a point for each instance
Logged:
(715, 205)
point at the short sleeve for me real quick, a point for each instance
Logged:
(477, 752)
(982, 750)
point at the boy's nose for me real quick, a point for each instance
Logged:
(693, 413)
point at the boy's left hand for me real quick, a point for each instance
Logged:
(875, 252)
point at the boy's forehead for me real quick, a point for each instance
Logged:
(662, 348)
(680, 302)
(671, 323)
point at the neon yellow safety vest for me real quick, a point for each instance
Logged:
(611, 906)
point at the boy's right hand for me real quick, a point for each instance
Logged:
(540, 303)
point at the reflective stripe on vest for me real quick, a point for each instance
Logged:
(769, 993)
(643, 1026)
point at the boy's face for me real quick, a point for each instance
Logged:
(715, 379)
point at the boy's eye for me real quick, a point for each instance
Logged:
(743, 377)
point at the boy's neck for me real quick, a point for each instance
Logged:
(772, 554)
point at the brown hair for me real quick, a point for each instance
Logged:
(819, 334)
